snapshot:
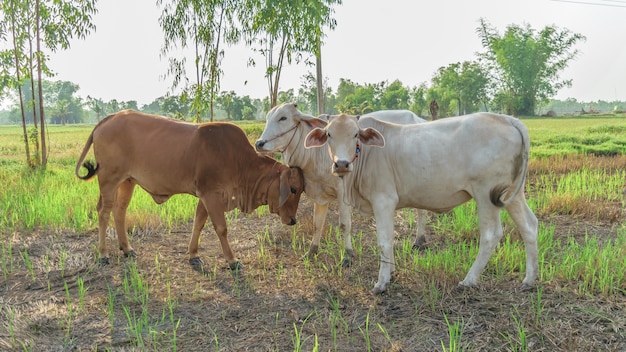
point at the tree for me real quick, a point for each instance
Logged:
(286, 30)
(465, 83)
(394, 97)
(419, 104)
(200, 25)
(50, 24)
(526, 64)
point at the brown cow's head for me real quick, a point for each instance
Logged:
(284, 196)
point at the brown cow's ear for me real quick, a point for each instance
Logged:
(285, 189)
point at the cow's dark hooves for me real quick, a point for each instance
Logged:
(346, 262)
(104, 261)
(196, 264)
(377, 291)
(462, 288)
(312, 253)
(420, 244)
(527, 288)
(236, 267)
(131, 254)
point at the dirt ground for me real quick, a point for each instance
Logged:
(283, 302)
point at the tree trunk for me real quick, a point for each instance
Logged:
(19, 88)
(320, 83)
(44, 154)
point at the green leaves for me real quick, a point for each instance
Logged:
(527, 63)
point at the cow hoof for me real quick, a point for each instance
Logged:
(377, 290)
(463, 287)
(527, 287)
(104, 261)
(131, 254)
(196, 263)
(311, 253)
(236, 266)
(346, 262)
(420, 244)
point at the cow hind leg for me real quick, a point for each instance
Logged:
(527, 225)
(122, 199)
(490, 234)
(105, 205)
(198, 224)
(420, 236)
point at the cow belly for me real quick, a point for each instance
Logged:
(437, 203)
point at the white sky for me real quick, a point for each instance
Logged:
(374, 41)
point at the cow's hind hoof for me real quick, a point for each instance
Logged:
(378, 291)
(131, 254)
(236, 267)
(104, 261)
(346, 262)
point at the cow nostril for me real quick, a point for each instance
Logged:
(293, 222)
(259, 144)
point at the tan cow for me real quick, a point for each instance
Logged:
(212, 161)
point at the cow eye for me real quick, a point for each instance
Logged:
(293, 190)
(282, 118)
(355, 135)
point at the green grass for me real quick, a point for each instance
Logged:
(318, 304)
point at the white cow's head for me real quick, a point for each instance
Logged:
(344, 138)
(281, 124)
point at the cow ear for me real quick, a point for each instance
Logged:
(315, 138)
(370, 136)
(285, 189)
(315, 122)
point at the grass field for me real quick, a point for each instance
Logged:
(54, 297)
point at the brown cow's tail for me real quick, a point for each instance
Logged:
(92, 168)
(501, 195)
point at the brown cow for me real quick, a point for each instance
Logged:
(212, 161)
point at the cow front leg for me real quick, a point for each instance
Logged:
(198, 224)
(345, 226)
(384, 211)
(319, 216)
(122, 199)
(219, 224)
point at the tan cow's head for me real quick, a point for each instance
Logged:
(344, 138)
(284, 196)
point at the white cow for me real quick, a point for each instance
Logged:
(285, 130)
(435, 166)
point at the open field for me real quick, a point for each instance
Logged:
(54, 297)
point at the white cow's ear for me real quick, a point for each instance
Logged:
(371, 136)
(315, 122)
(315, 138)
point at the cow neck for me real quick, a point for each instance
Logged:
(274, 175)
(290, 155)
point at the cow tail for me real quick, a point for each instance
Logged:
(92, 168)
(501, 195)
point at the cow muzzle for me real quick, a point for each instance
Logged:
(259, 145)
(341, 167)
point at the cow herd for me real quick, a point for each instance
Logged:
(375, 163)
